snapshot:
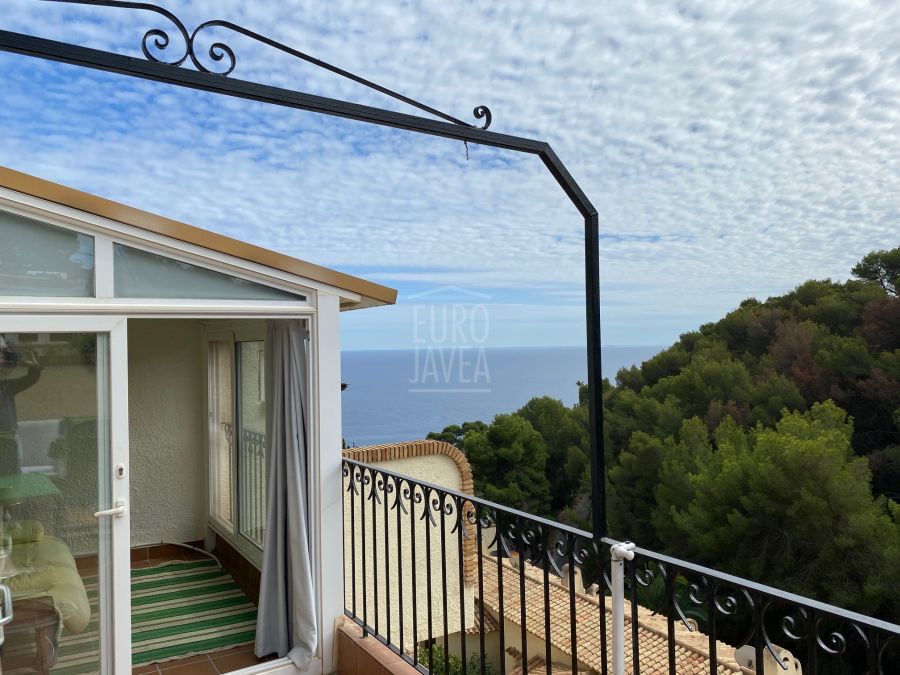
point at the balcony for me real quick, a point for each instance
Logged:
(438, 580)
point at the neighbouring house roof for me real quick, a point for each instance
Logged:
(374, 454)
(538, 666)
(490, 621)
(691, 648)
(372, 293)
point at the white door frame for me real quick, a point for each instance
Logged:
(325, 431)
(115, 591)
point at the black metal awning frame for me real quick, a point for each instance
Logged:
(216, 80)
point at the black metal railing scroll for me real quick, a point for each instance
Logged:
(787, 633)
(428, 569)
(157, 45)
(457, 584)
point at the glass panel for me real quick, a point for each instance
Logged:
(141, 274)
(54, 439)
(221, 432)
(41, 260)
(252, 445)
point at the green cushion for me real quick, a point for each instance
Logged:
(24, 531)
(46, 567)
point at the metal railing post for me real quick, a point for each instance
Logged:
(619, 554)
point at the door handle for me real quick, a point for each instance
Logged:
(118, 511)
(7, 605)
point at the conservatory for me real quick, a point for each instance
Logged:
(170, 442)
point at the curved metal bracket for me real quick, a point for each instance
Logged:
(220, 52)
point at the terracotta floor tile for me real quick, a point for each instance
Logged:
(138, 554)
(164, 551)
(150, 669)
(226, 664)
(199, 668)
(240, 649)
(175, 663)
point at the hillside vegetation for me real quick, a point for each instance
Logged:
(766, 444)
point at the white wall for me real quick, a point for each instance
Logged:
(167, 417)
(437, 469)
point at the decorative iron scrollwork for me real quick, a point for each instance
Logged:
(829, 634)
(221, 52)
(727, 609)
(400, 491)
(482, 111)
(464, 516)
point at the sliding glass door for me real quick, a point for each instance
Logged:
(64, 562)
(252, 464)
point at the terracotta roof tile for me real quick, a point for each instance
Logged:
(490, 620)
(537, 666)
(691, 648)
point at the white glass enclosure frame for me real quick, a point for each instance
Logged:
(230, 336)
(104, 313)
(107, 233)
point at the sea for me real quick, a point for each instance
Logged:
(401, 395)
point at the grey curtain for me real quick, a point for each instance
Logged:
(286, 623)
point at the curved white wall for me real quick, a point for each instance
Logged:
(439, 470)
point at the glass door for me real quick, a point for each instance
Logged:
(237, 437)
(64, 564)
(252, 459)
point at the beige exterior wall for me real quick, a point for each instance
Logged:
(445, 562)
(512, 638)
(473, 648)
(166, 410)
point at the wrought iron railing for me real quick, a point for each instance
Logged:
(766, 621)
(252, 486)
(436, 575)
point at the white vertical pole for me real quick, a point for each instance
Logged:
(328, 506)
(619, 554)
(118, 363)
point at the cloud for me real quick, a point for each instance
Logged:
(731, 150)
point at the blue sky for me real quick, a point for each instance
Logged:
(732, 149)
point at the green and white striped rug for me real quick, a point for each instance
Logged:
(177, 610)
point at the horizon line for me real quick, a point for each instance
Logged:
(412, 349)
